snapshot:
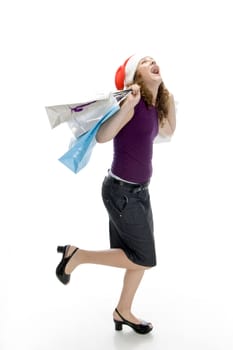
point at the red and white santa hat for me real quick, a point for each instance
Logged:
(125, 74)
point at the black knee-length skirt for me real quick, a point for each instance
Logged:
(130, 220)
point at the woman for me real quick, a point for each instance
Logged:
(147, 111)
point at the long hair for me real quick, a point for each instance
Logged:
(162, 100)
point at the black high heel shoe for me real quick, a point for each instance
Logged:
(142, 328)
(60, 270)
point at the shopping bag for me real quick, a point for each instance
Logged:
(75, 114)
(84, 119)
(81, 116)
(80, 152)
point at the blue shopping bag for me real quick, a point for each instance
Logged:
(77, 157)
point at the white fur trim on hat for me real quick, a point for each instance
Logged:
(131, 67)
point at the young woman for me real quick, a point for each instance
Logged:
(147, 111)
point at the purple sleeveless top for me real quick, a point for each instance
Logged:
(133, 145)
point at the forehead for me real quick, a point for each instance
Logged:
(146, 59)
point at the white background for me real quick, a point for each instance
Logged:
(55, 52)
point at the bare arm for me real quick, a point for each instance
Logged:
(170, 123)
(113, 125)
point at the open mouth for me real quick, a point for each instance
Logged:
(155, 70)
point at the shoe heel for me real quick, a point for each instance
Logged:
(118, 325)
(61, 249)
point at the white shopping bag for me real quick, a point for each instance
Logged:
(82, 116)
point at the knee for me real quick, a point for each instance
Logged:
(149, 267)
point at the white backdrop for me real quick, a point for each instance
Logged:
(55, 52)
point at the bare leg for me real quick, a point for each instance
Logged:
(115, 258)
(110, 257)
(132, 280)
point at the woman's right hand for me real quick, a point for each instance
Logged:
(133, 98)
(113, 125)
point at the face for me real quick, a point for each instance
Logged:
(149, 70)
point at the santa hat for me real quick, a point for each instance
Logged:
(125, 74)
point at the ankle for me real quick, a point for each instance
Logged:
(124, 312)
(73, 253)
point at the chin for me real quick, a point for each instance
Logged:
(158, 80)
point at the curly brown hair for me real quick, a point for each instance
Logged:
(162, 100)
